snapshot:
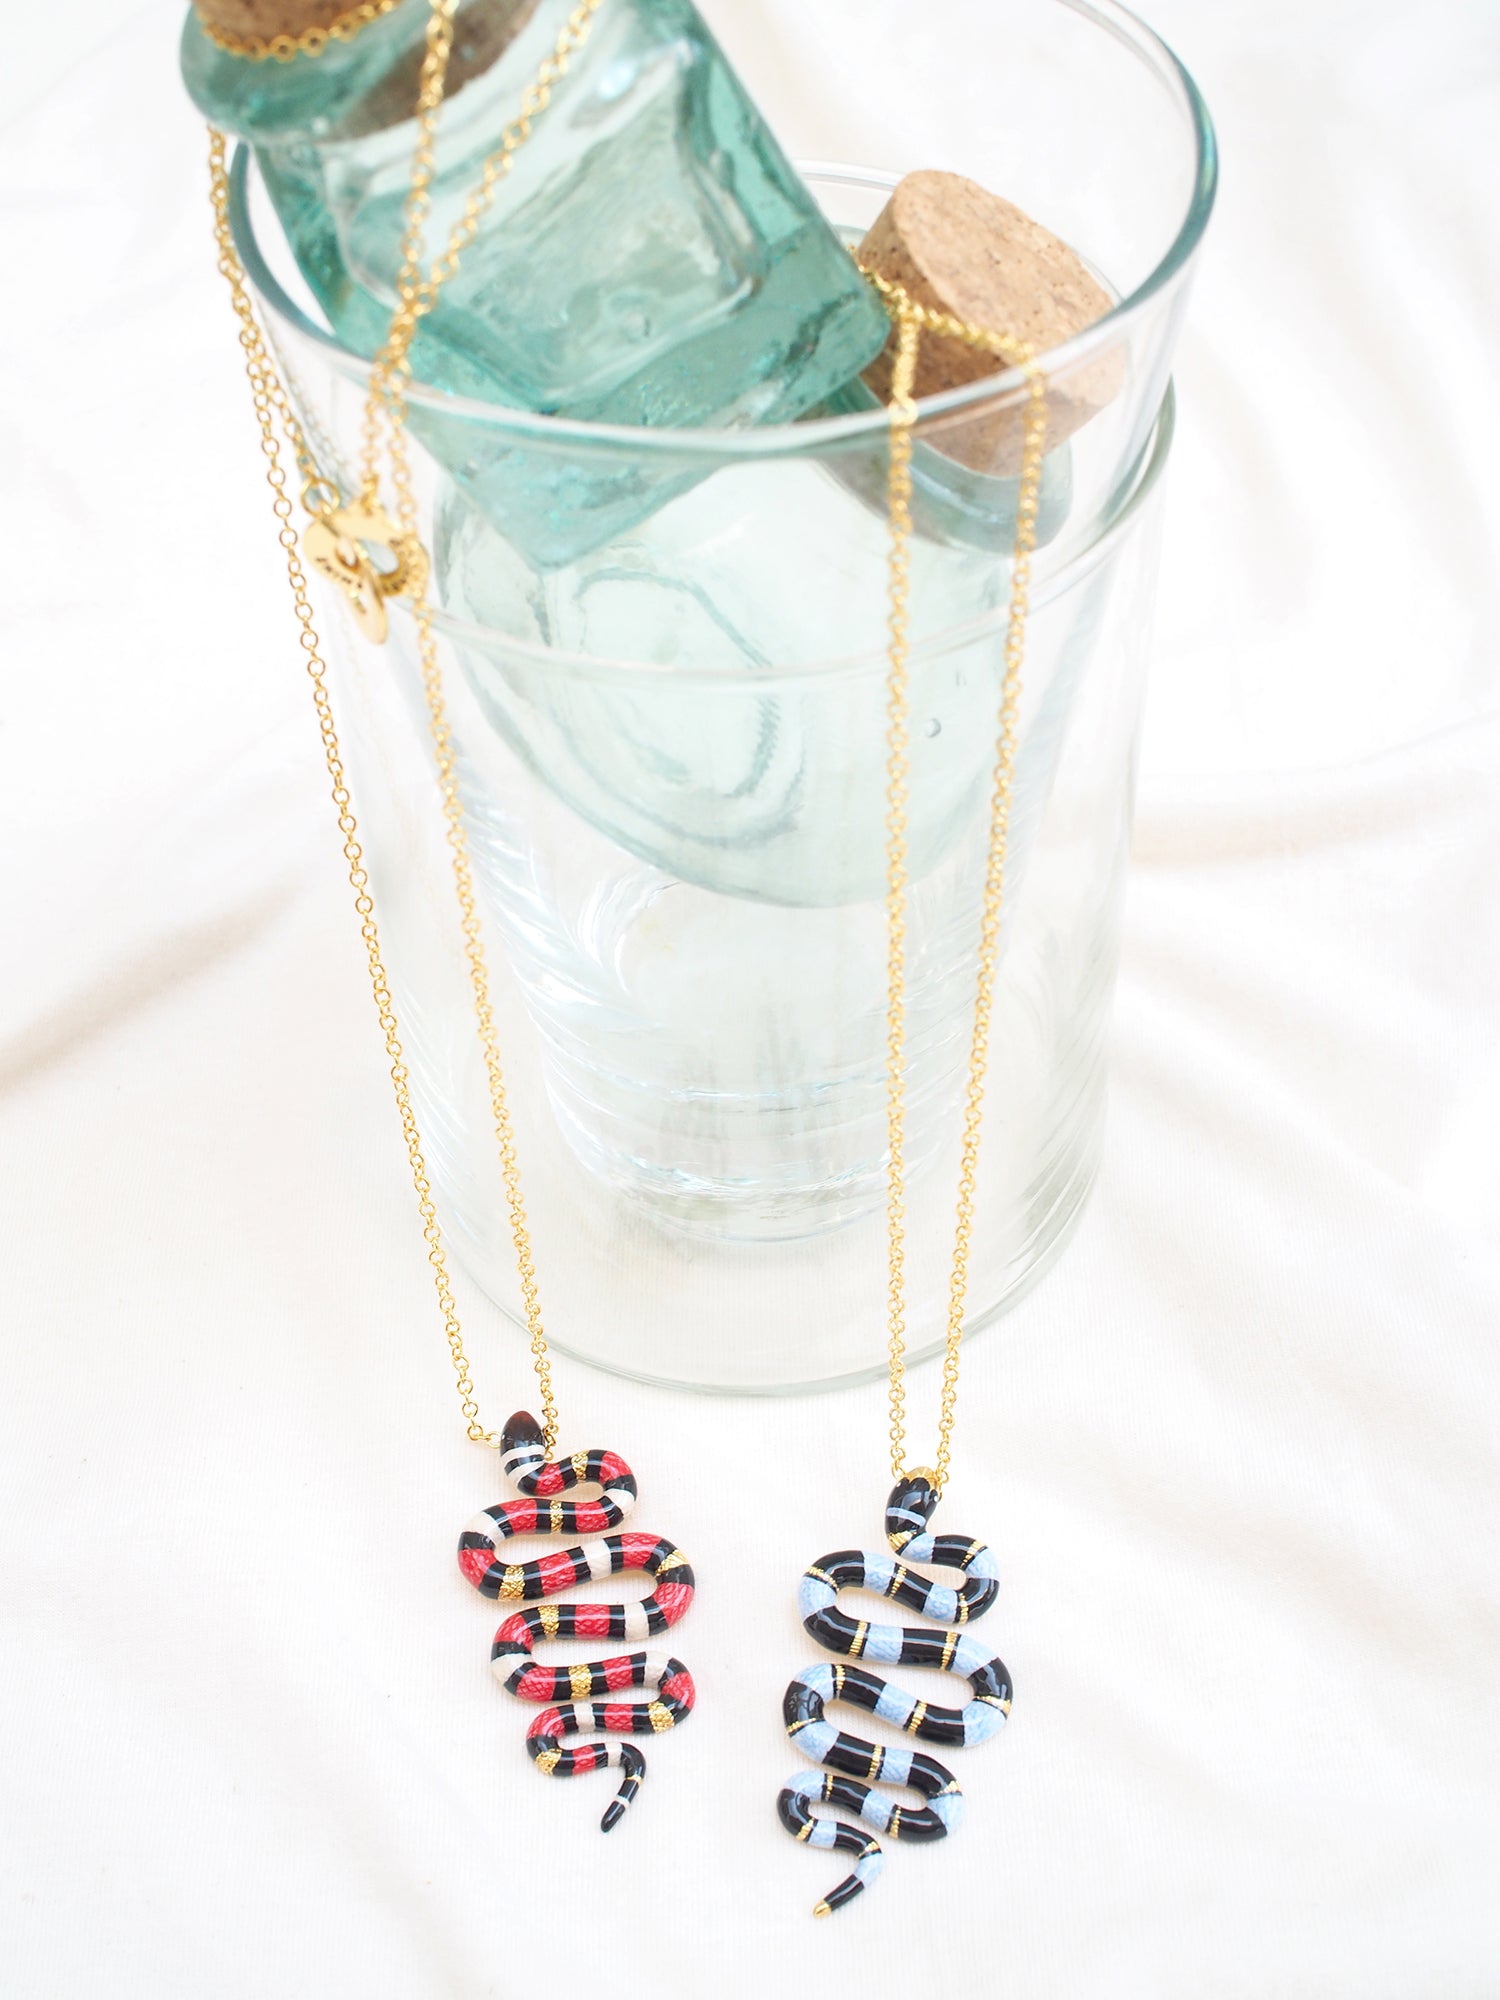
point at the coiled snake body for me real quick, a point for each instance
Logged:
(853, 1766)
(582, 1698)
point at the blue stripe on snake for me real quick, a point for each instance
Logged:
(852, 1766)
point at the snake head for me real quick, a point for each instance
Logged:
(910, 1507)
(521, 1429)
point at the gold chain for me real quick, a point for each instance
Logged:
(912, 320)
(389, 376)
(416, 296)
(271, 406)
(311, 41)
(386, 407)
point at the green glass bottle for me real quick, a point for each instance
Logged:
(651, 259)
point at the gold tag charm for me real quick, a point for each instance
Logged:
(337, 544)
(331, 545)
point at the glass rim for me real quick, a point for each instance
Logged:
(772, 441)
(1141, 485)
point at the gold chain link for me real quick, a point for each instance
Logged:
(387, 396)
(912, 320)
(311, 42)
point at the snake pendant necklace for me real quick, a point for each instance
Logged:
(371, 556)
(849, 1768)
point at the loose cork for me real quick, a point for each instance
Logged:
(959, 249)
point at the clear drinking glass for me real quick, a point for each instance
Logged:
(673, 765)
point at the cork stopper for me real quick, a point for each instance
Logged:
(959, 249)
(247, 20)
(482, 32)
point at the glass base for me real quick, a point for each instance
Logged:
(1048, 1242)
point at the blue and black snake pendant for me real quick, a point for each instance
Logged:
(854, 1766)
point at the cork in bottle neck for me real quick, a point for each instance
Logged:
(269, 20)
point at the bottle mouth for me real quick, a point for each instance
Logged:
(684, 448)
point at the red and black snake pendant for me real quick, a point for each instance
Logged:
(585, 1698)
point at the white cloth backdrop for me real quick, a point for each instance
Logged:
(1237, 1455)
